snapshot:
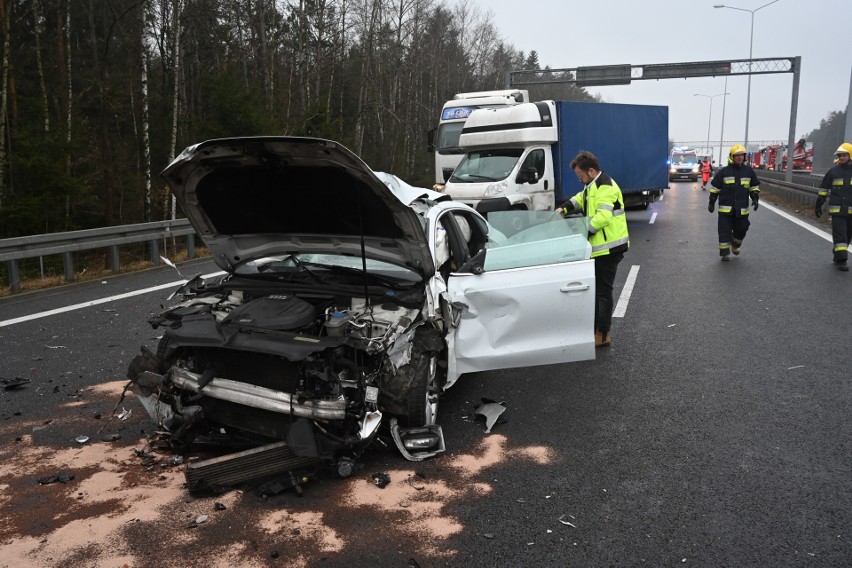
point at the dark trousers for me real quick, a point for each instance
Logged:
(732, 229)
(841, 234)
(605, 269)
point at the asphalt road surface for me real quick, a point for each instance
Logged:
(714, 432)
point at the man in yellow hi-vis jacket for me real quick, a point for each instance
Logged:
(733, 185)
(603, 205)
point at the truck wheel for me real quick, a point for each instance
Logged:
(422, 406)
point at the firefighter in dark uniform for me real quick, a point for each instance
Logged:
(733, 186)
(836, 186)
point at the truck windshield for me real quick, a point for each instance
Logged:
(486, 165)
(448, 137)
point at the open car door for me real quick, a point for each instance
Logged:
(528, 301)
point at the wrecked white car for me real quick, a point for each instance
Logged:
(350, 301)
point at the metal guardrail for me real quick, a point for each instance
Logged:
(804, 191)
(32, 246)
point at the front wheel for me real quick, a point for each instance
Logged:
(421, 404)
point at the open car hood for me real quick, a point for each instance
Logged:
(260, 196)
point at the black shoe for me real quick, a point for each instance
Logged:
(842, 267)
(726, 258)
(735, 250)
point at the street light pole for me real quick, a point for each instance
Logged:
(750, 45)
(709, 118)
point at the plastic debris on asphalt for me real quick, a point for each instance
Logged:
(491, 411)
(380, 479)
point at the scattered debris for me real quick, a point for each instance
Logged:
(564, 522)
(219, 506)
(12, 384)
(111, 438)
(59, 477)
(174, 460)
(414, 475)
(491, 411)
(796, 367)
(381, 479)
(124, 414)
(672, 325)
(201, 519)
(488, 535)
(412, 563)
(274, 554)
(56, 347)
(81, 439)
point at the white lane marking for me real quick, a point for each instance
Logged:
(97, 302)
(624, 298)
(653, 218)
(807, 226)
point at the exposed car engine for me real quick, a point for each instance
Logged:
(314, 371)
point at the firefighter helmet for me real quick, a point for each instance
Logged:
(737, 149)
(845, 148)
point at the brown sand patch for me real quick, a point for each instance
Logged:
(111, 389)
(491, 451)
(310, 526)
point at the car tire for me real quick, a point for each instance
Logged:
(422, 406)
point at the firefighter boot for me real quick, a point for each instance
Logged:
(842, 266)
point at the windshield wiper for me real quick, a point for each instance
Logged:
(475, 176)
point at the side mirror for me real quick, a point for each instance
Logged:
(475, 264)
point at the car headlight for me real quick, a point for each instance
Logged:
(496, 188)
(695, 169)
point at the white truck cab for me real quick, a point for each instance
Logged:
(508, 159)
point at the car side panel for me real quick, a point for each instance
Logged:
(522, 317)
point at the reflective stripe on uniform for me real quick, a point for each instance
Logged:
(834, 208)
(605, 207)
(610, 245)
(618, 212)
(729, 180)
(725, 208)
(592, 229)
(840, 247)
(837, 182)
(724, 246)
(744, 211)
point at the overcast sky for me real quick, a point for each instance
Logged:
(568, 34)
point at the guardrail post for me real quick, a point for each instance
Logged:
(68, 263)
(14, 276)
(155, 252)
(113, 257)
(190, 246)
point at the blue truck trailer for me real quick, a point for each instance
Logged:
(519, 157)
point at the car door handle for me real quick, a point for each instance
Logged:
(574, 288)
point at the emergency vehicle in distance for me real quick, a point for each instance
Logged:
(774, 157)
(684, 164)
(444, 140)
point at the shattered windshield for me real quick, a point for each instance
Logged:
(531, 238)
(487, 165)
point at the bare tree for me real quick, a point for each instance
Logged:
(4, 90)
